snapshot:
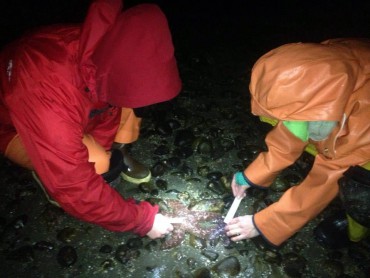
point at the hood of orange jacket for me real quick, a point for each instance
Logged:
(307, 81)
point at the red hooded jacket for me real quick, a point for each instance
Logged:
(49, 96)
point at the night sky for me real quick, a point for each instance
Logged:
(268, 23)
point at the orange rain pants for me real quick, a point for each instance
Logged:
(128, 132)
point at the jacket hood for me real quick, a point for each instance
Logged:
(304, 82)
(135, 63)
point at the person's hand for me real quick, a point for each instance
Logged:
(239, 185)
(161, 227)
(241, 227)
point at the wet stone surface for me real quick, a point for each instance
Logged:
(193, 149)
(40, 240)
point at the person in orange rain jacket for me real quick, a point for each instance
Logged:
(69, 96)
(319, 93)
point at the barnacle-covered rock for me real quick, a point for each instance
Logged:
(229, 266)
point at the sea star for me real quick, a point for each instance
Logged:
(195, 222)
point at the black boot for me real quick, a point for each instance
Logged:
(134, 172)
(332, 232)
(116, 166)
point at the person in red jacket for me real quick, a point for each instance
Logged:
(318, 94)
(68, 97)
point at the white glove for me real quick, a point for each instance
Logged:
(241, 227)
(161, 227)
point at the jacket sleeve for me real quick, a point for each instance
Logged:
(50, 115)
(283, 150)
(53, 141)
(300, 203)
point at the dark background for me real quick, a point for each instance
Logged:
(265, 23)
(217, 42)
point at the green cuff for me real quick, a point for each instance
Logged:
(298, 128)
(356, 231)
(240, 179)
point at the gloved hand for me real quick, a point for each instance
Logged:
(161, 227)
(239, 185)
(241, 227)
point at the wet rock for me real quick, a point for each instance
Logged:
(184, 137)
(280, 184)
(298, 246)
(158, 169)
(202, 273)
(215, 132)
(22, 254)
(106, 249)
(162, 150)
(52, 216)
(243, 252)
(187, 170)
(197, 242)
(135, 243)
(210, 254)
(257, 193)
(107, 264)
(293, 178)
(193, 180)
(205, 195)
(151, 245)
(203, 170)
(164, 129)
(229, 266)
(67, 256)
(183, 152)
(172, 162)
(43, 246)
(182, 274)
(335, 255)
(67, 234)
(228, 200)
(293, 264)
(261, 244)
(212, 205)
(184, 196)
(174, 124)
(154, 192)
(330, 269)
(2, 223)
(359, 253)
(216, 187)
(121, 254)
(226, 144)
(259, 205)
(19, 222)
(124, 255)
(192, 263)
(229, 114)
(214, 176)
(161, 184)
(271, 256)
(26, 191)
(13, 230)
(146, 187)
(203, 146)
(249, 152)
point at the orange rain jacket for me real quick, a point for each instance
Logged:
(310, 82)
